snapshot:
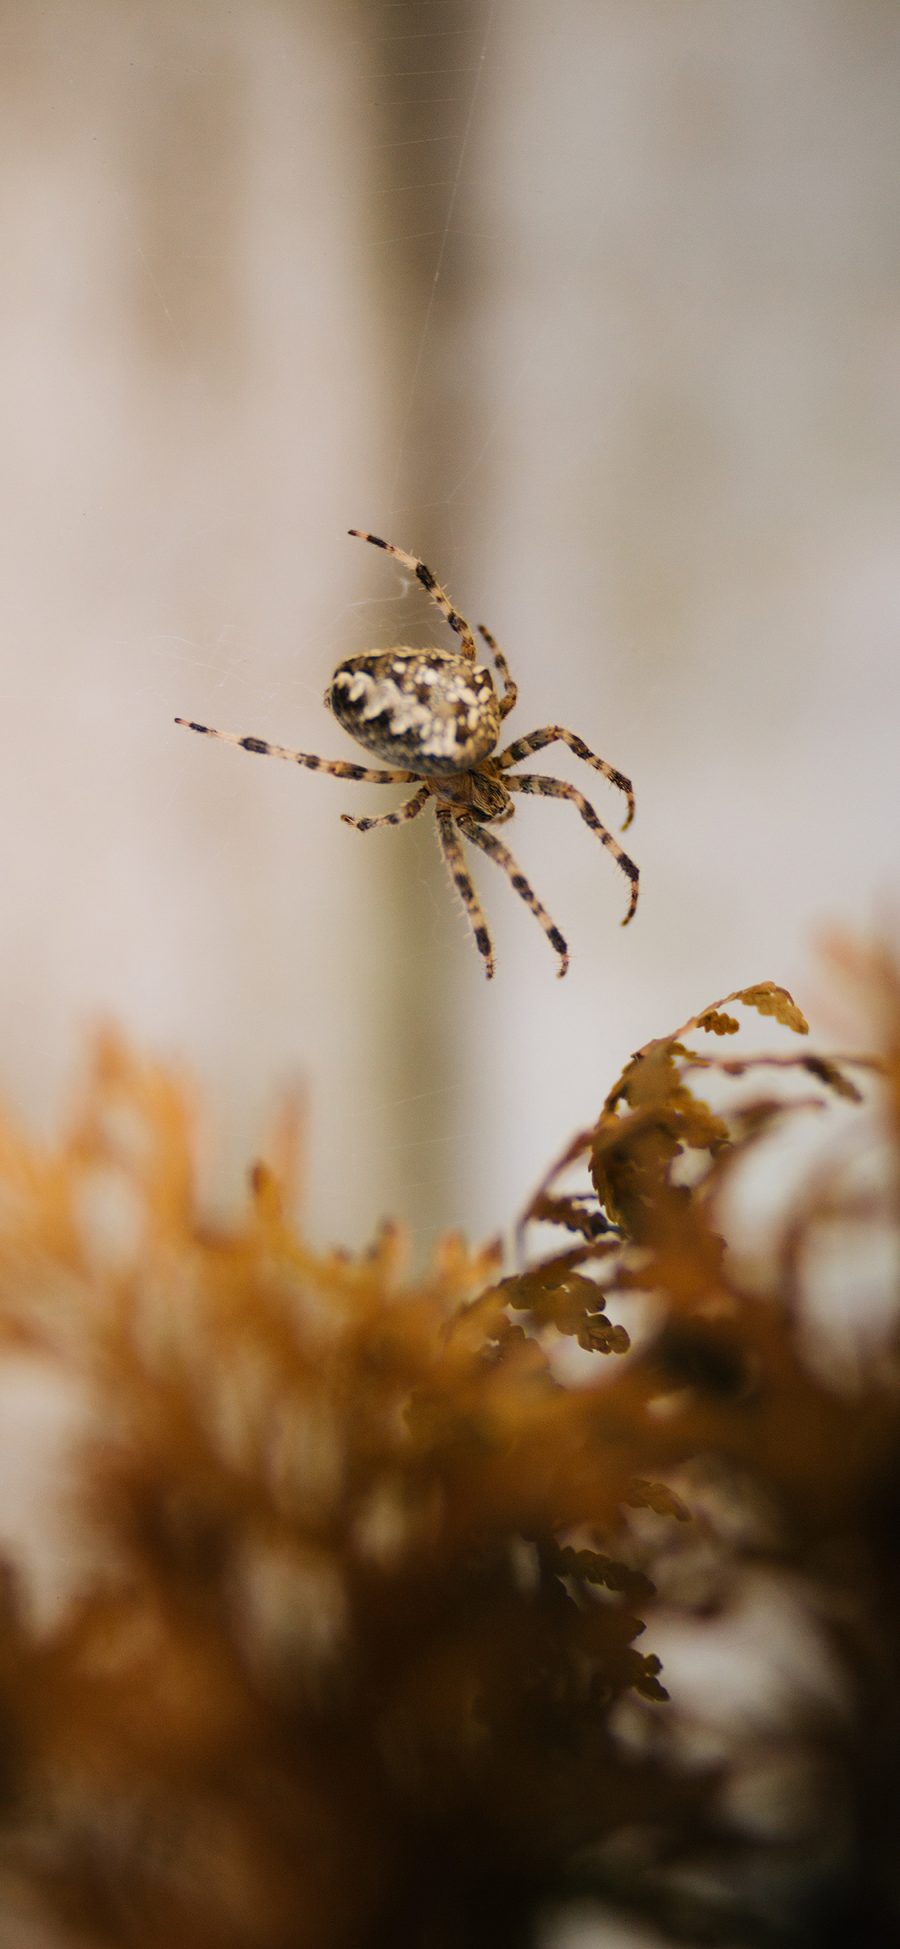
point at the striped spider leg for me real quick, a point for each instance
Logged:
(479, 835)
(410, 809)
(555, 734)
(429, 582)
(510, 689)
(553, 788)
(336, 767)
(454, 856)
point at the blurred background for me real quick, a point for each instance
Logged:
(594, 306)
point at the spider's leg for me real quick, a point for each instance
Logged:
(337, 767)
(510, 688)
(456, 865)
(553, 788)
(429, 582)
(489, 844)
(553, 733)
(398, 818)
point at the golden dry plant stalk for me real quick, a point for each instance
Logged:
(349, 1655)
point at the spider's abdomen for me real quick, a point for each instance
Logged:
(427, 710)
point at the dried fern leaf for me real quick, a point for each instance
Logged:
(660, 1498)
(768, 999)
(717, 1023)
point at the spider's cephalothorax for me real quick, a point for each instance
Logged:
(435, 716)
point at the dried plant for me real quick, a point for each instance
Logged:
(347, 1646)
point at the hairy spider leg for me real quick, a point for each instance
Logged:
(407, 811)
(553, 733)
(429, 582)
(451, 848)
(553, 788)
(510, 688)
(337, 767)
(479, 836)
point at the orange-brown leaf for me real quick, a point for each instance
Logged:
(768, 999)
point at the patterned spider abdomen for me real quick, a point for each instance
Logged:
(428, 710)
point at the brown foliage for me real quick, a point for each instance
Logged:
(352, 1651)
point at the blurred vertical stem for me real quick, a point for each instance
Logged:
(420, 262)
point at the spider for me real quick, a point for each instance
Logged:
(435, 716)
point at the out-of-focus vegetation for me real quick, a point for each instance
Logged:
(360, 1648)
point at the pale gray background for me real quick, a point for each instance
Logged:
(595, 305)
